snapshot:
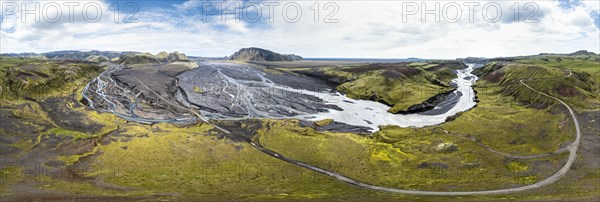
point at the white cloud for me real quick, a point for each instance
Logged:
(365, 29)
(591, 5)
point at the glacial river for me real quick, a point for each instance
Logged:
(239, 89)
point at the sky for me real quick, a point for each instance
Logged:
(312, 29)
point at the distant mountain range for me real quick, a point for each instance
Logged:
(125, 57)
(130, 57)
(581, 52)
(482, 60)
(71, 54)
(259, 54)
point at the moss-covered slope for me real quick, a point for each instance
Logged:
(547, 73)
(38, 79)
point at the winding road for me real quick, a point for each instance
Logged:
(572, 148)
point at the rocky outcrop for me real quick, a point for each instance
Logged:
(259, 54)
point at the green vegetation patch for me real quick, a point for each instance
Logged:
(505, 125)
(188, 162)
(9, 175)
(418, 159)
(324, 122)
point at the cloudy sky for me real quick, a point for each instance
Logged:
(341, 29)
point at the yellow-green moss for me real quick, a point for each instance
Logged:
(324, 122)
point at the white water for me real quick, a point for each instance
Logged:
(376, 114)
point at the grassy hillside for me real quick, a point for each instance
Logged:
(399, 85)
(581, 89)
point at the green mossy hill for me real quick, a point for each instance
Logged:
(37, 79)
(581, 89)
(400, 85)
(141, 58)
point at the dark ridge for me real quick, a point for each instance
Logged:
(401, 68)
(428, 104)
(391, 74)
(259, 54)
(332, 81)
